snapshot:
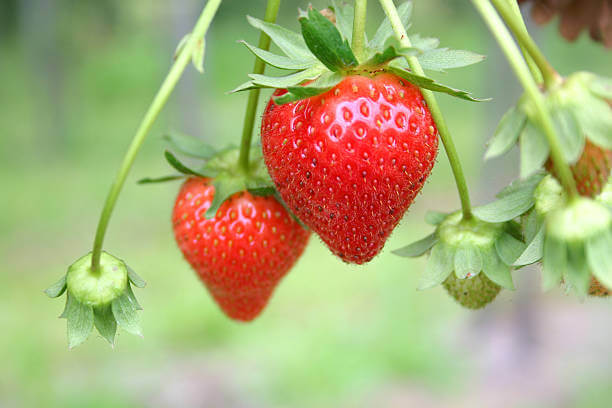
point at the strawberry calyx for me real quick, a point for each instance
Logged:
(102, 299)
(221, 166)
(322, 56)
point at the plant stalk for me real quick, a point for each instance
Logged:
(359, 25)
(436, 113)
(535, 71)
(251, 109)
(156, 106)
(513, 55)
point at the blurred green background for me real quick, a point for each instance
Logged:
(75, 80)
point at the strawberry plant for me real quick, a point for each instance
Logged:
(348, 138)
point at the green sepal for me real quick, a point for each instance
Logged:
(468, 262)
(390, 53)
(515, 200)
(105, 323)
(162, 179)
(180, 167)
(57, 289)
(225, 187)
(130, 294)
(417, 248)
(430, 84)
(554, 263)
(577, 274)
(595, 118)
(325, 41)
(534, 249)
(344, 18)
(509, 248)
(80, 321)
(599, 256)
(189, 145)
(279, 61)
(571, 138)
(530, 225)
(441, 59)
(125, 314)
(135, 278)
(497, 269)
(534, 149)
(435, 217)
(385, 31)
(510, 127)
(294, 79)
(601, 87)
(321, 85)
(515, 230)
(424, 43)
(197, 54)
(292, 44)
(439, 266)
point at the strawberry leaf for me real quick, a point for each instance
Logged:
(533, 251)
(571, 138)
(507, 133)
(125, 314)
(390, 53)
(57, 289)
(577, 273)
(602, 87)
(468, 262)
(435, 217)
(595, 118)
(163, 179)
(513, 201)
(80, 321)
(323, 84)
(325, 42)
(508, 248)
(189, 145)
(599, 256)
(496, 270)
(385, 31)
(279, 61)
(417, 248)
(264, 81)
(180, 167)
(534, 149)
(290, 43)
(442, 59)
(439, 266)
(344, 19)
(225, 187)
(105, 323)
(554, 263)
(424, 43)
(135, 278)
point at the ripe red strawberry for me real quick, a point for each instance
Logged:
(349, 162)
(243, 252)
(592, 169)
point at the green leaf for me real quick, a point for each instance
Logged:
(507, 133)
(497, 270)
(290, 43)
(197, 55)
(288, 80)
(181, 45)
(577, 273)
(57, 289)
(279, 61)
(125, 314)
(344, 19)
(554, 263)
(534, 149)
(80, 321)
(325, 42)
(602, 87)
(390, 53)
(435, 217)
(135, 279)
(321, 85)
(424, 43)
(514, 200)
(509, 248)
(105, 323)
(163, 179)
(442, 59)
(428, 83)
(246, 86)
(531, 225)
(439, 266)
(385, 30)
(599, 255)
(417, 248)
(534, 250)
(180, 167)
(189, 145)
(595, 118)
(468, 262)
(570, 136)
(130, 294)
(225, 187)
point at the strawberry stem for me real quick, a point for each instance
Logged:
(182, 60)
(533, 67)
(434, 108)
(513, 55)
(517, 25)
(359, 24)
(251, 109)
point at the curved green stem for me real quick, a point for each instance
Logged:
(551, 77)
(521, 71)
(251, 109)
(158, 103)
(359, 24)
(436, 113)
(535, 71)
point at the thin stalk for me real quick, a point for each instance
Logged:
(251, 109)
(359, 24)
(434, 108)
(521, 71)
(551, 77)
(535, 71)
(156, 106)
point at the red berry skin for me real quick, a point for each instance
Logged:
(350, 162)
(243, 252)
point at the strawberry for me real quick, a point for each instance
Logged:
(349, 162)
(597, 289)
(243, 252)
(472, 293)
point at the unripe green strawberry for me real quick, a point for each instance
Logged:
(473, 293)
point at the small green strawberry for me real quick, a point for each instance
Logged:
(472, 293)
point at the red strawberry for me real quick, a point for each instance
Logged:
(349, 162)
(592, 169)
(243, 252)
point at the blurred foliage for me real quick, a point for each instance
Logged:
(76, 77)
